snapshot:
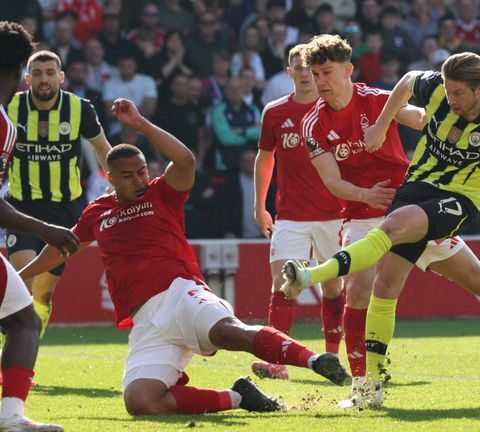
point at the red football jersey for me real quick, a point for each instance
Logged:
(341, 132)
(8, 137)
(301, 194)
(142, 244)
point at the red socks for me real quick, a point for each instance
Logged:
(332, 317)
(16, 382)
(354, 327)
(192, 400)
(276, 347)
(281, 312)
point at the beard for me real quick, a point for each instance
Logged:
(44, 95)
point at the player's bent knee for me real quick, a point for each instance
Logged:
(139, 403)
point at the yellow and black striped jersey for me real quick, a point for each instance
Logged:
(45, 163)
(448, 153)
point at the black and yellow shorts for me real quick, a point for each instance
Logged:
(63, 214)
(448, 213)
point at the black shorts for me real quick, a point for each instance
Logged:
(448, 213)
(63, 214)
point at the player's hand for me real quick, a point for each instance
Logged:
(127, 113)
(61, 238)
(374, 137)
(264, 222)
(380, 196)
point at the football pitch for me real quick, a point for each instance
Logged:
(435, 385)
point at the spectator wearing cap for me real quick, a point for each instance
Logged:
(201, 45)
(138, 88)
(249, 56)
(173, 17)
(149, 36)
(89, 17)
(277, 12)
(353, 34)
(112, 38)
(468, 26)
(395, 38)
(448, 37)
(420, 22)
(325, 20)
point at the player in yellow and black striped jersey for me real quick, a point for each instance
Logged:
(438, 199)
(44, 172)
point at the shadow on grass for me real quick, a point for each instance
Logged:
(70, 391)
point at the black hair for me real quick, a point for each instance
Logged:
(16, 45)
(122, 151)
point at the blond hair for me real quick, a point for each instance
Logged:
(296, 51)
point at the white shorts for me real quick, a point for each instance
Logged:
(13, 290)
(357, 229)
(294, 240)
(169, 328)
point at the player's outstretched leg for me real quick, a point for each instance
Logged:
(253, 399)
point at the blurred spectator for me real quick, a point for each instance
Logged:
(33, 26)
(97, 185)
(438, 57)
(11, 10)
(76, 73)
(303, 16)
(395, 38)
(273, 55)
(65, 45)
(305, 35)
(218, 8)
(155, 167)
(343, 9)
(259, 12)
(353, 34)
(173, 17)
(420, 22)
(251, 95)
(279, 84)
(390, 71)
(236, 197)
(468, 26)
(200, 207)
(447, 35)
(214, 84)
(112, 38)
(149, 36)
(89, 15)
(369, 61)
(263, 27)
(131, 136)
(179, 116)
(325, 19)
(236, 127)
(170, 61)
(195, 92)
(139, 88)
(99, 71)
(277, 12)
(368, 15)
(203, 43)
(249, 56)
(429, 46)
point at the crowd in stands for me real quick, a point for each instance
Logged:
(204, 69)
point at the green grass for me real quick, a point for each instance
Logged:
(435, 385)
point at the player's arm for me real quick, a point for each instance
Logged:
(180, 173)
(375, 135)
(102, 147)
(48, 259)
(264, 163)
(412, 117)
(378, 196)
(59, 237)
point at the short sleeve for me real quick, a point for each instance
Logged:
(267, 136)
(424, 85)
(171, 197)
(90, 127)
(83, 228)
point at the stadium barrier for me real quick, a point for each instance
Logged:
(239, 271)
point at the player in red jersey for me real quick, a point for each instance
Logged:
(307, 213)
(334, 133)
(17, 316)
(154, 280)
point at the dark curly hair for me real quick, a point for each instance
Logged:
(16, 45)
